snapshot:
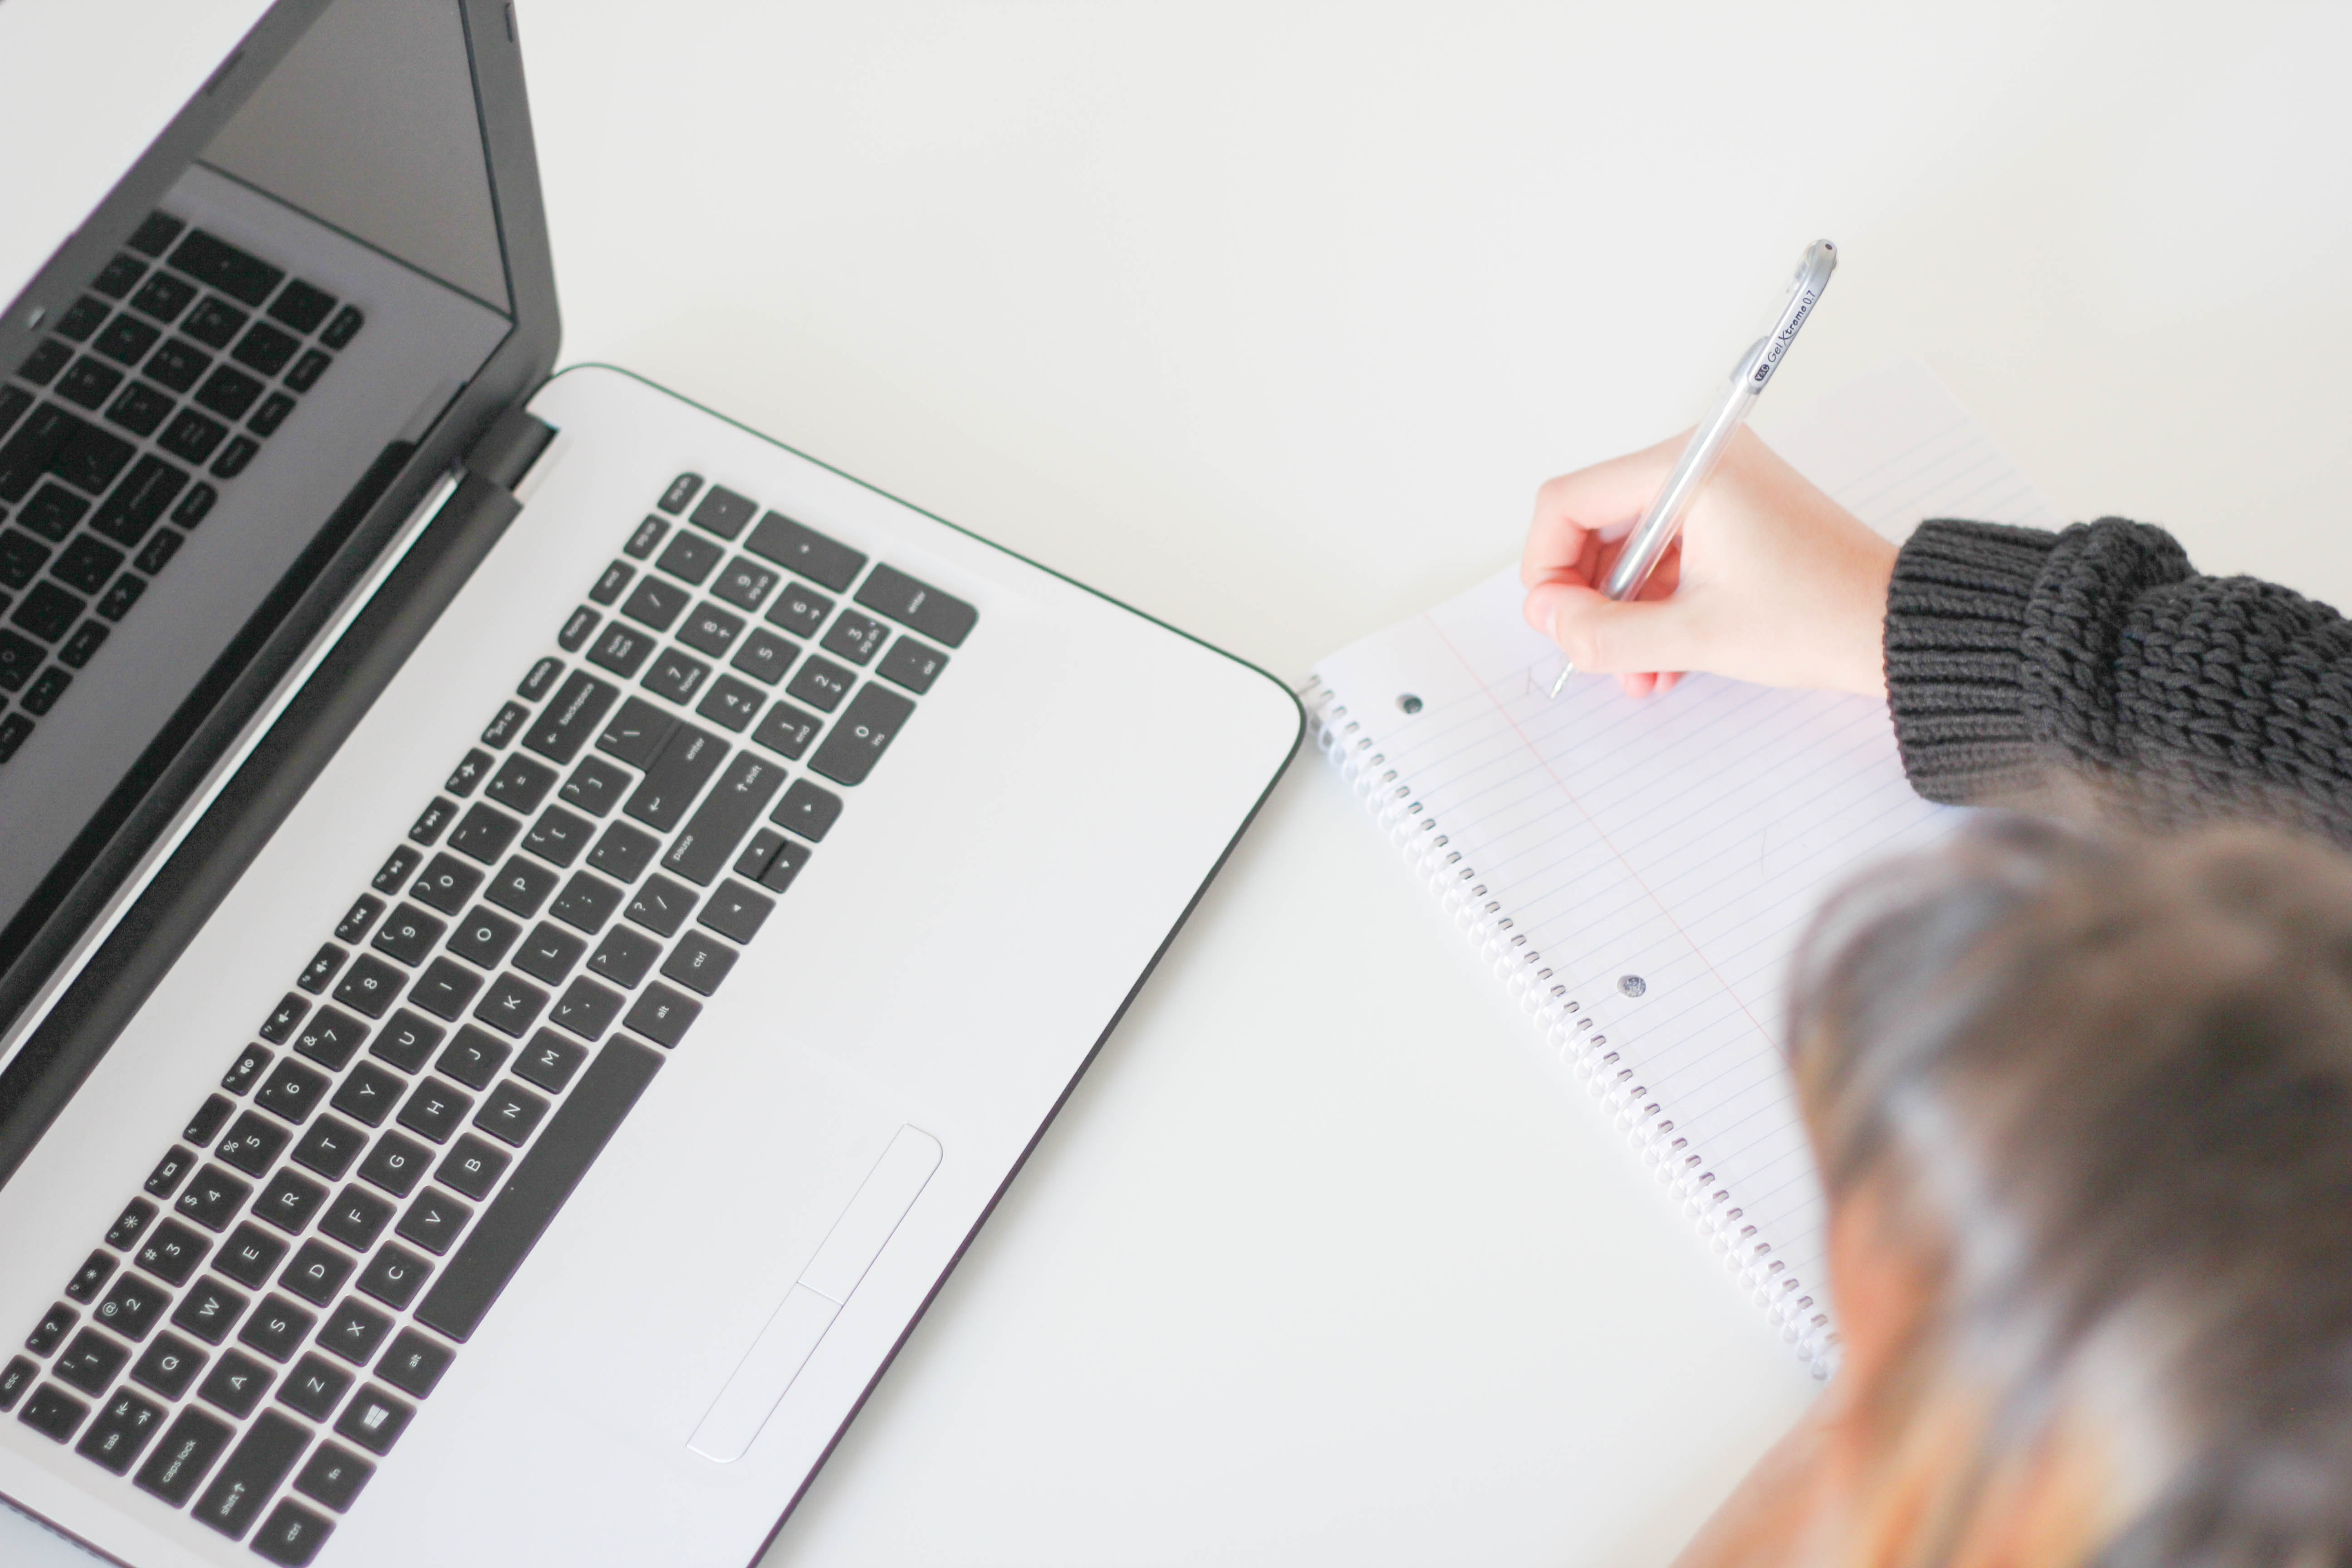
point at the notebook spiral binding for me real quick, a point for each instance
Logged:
(1799, 1309)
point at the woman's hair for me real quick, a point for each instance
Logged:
(2099, 1090)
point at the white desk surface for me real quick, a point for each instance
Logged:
(1268, 319)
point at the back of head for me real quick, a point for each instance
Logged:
(2100, 1090)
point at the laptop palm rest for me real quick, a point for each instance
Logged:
(808, 1309)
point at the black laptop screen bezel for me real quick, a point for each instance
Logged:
(79, 1023)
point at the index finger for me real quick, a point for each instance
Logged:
(1571, 510)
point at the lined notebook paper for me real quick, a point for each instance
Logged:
(1639, 872)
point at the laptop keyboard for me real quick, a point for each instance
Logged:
(153, 389)
(256, 1331)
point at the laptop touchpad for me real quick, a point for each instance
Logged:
(808, 1309)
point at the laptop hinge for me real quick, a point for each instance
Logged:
(514, 441)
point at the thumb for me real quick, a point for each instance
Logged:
(1611, 637)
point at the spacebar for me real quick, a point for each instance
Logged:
(510, 1226)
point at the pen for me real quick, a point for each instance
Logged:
(1647, 545)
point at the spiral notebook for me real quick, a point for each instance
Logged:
(1639, 873)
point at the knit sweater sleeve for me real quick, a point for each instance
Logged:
(2021, 666)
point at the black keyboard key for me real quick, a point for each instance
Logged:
(123, 1426)
(414, 1364)
(122, 597)
(571, 718)
(277, 1328)
(249, 1255)
(130, 1225)
(87, 639)
(687, 762)
(511, 1005)
(393, 1276)
(40, 367)
(661, 905)
(436, 1109)
(133, 1306)
(254, 1469)
(232, 459)
(227, 392)
(655, 604)
(637, 733)
(172, 1252)
(821, 560)
(88, 382)
(505, 725)
(918, 606)
(746, 584)
(81, 319)
(265, 349)
(596, 786)
(396, 870)
(484, 835)
(549, 1061)
(330, 1147)
(474, 1057)
(222, 266)
(28, 453)
(624, 957)
(53, 1413)
(800, 610)
(48, 612)
(872, 720)
(18, 1376)
(170, 1171)
(331, 1037)
(822, 684)
(371, 986)
(90, 1362)
(662, 1015)
(447, 884)
(21, 557)
(407, 1040)
(559, 836)
(586, 1008)
(292, 1092)
(290, 1201)
(360, 920)
(544, 1178)
(52, 511)
(722, 512)
(521, 886)
(435, 821)
(253, 1144)
(140, 409)
(808, 810)
(317, 1272)
(19, 657)
(265, 419)
(710, 630)
(308, 370)
(648, 534)
(14, 401)
(278, 1028)
(623, 852)
(355, 1218)
(46, 688)
(574, 635)
(91, 1277)
(126, 339)
(708, 841)
(549, 954)
(700, 963)
(301, 306)
(236, 1384)
(346, 326)
(209, 1311)
(446, 988)
(736, 911)
(510, 1113)
(433, 1220)
(169, 1366)
(314, 1387)
(483, 938)
(86, 565)
(732, 704)
(539, 678)
(191, 437)
(374, 1420)
(292, 1534)
(855, 637)
(585, 903)
(354, 1329)
(615, 577)
(469, 773)
(14, 729)
(368, 1095)
(213, 1196)
(163, 297)
(681, 491)
(472, 1165)
(394, 1163)
(51, 1331)
(192, 1447)
(335, 1475)
(691, 557)
(154, 233)
(520, 783)
(179, 364)
(765, 656)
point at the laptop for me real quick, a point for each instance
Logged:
(535, 921)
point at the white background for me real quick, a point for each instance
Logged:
(1268, 319)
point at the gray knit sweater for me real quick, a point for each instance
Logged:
(2021, 665)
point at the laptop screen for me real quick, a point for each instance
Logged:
(202, 419)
